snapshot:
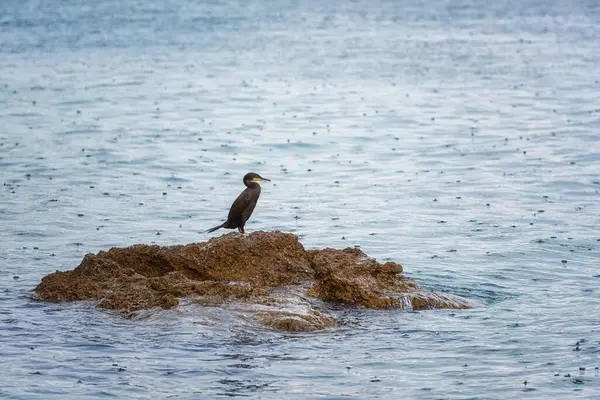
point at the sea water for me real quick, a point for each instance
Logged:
(460, 139)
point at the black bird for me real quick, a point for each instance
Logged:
(242, 207)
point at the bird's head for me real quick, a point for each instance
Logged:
(253, 177)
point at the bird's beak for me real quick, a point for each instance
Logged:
(258, 178)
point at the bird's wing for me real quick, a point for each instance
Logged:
(239, 205)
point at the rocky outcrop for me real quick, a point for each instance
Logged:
(270, 273)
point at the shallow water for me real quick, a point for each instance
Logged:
(459, 139)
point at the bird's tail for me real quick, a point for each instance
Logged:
(216, 227)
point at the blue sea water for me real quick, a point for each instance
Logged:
(458, 138)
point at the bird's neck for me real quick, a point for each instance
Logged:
(252, 184)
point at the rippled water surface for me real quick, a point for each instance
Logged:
(460, 139)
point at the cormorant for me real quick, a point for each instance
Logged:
(242, 207)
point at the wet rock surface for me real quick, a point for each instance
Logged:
(279, 283)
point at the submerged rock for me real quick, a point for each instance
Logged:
(271, 273)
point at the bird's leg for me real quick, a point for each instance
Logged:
(241, 229)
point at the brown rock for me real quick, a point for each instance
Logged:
(261, 258)
(349, 276)
(252, 268)
(292, 322)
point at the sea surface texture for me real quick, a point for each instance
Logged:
(458, 138)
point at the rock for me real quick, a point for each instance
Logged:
(270, 272)
(350, 277)
(291, 322)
